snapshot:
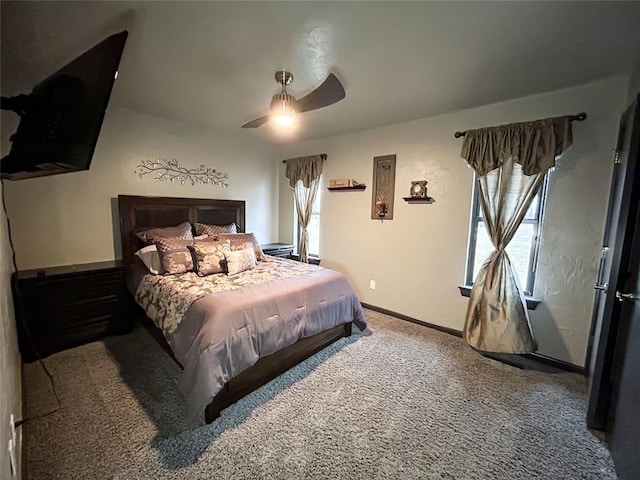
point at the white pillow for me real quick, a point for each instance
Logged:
(151, 259)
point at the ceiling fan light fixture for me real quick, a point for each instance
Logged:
(285, 120)
(284, 106)
(282, 111)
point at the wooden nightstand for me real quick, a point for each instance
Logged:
(70, 305)
(284, 250)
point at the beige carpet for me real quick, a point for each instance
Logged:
(405, 402)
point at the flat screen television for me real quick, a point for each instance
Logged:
(60, 119)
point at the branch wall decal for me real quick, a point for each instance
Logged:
(170, 170)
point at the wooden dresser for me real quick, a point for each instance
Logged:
(70, 305)
(284, 250)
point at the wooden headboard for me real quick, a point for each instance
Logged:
(139, 213)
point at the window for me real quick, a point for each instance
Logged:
(313, 229)
(523, 248)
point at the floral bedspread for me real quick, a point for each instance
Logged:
(166, 298)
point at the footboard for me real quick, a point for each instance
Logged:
(269, 367)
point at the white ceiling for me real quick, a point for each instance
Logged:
(212, 63)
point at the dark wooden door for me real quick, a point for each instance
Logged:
(615, 381)
(605, 322)
(624, 419)
(601, 285)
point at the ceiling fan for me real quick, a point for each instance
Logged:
(284, 105)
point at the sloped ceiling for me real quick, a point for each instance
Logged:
(212, 63)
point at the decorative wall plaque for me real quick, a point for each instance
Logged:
(384, 182)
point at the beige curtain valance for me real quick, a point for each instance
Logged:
(306, 169)
(534, 145)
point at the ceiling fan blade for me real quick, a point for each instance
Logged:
(257, 122)
(329, 92)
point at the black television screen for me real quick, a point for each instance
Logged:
(60, 119)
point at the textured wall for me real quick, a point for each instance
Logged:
(634, 85)
(418, 258)
(10, 378)
(65, 219)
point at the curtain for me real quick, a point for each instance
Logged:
(303, 174)
(510, 162)
(304, 198)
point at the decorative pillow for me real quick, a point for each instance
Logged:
(240, 245)
(241, 238)
(209, 256)
(214, 230)
(175, 255)
(182, 232)
(240, 260)
(151, 259)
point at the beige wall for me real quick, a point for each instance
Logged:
(69, 218)
(418, 258)
(10, 362)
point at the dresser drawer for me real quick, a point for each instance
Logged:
(80, 334)
(75, 315)
(91, 328)
(278, 249)
(72, 290)
(280, 253)
(69, 306)
(71, 323)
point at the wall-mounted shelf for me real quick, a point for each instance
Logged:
(418, 199)
(346, 189)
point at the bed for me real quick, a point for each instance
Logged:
(232, 336)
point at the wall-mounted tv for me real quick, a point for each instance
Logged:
(60, 119)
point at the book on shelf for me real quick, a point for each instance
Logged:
(344, 182)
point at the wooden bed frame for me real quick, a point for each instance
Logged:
(139, 213)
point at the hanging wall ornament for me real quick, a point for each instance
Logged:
(170, 170)
(384, 182)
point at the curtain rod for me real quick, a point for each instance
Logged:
(322, 155)
(579, 117)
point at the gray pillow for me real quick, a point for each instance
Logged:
(209, 256)
(182, 232)
(241, 239)
(214, 230)
(175, 255)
